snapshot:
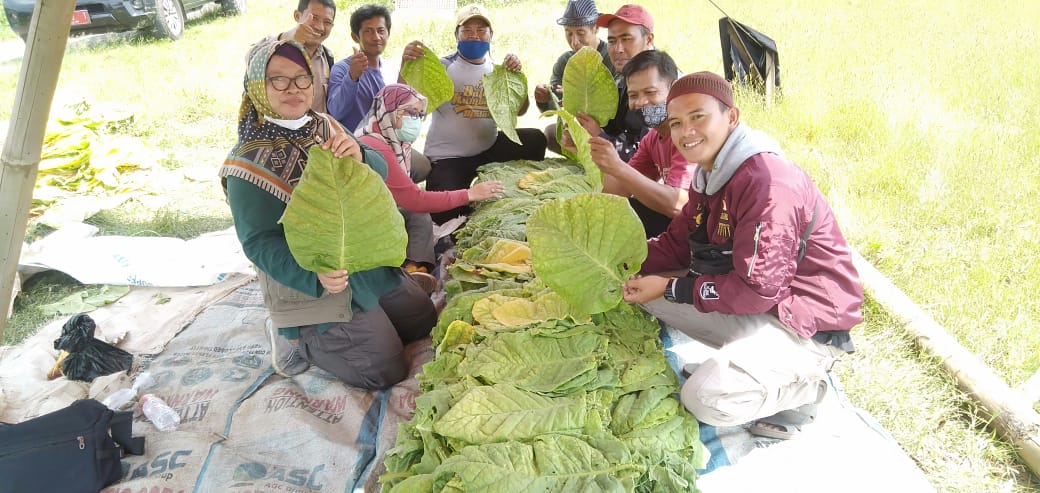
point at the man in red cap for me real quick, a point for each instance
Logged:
(629, 32)
(755, 266)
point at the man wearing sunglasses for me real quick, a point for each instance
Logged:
(314, 20)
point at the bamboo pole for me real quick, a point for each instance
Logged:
(1031, 388)
(41, 63)
(1011, 414)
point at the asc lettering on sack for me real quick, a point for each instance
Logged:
(166, 461)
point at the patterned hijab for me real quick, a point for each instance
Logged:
(380, 119)
(268, 155)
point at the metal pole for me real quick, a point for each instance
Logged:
(41, 63)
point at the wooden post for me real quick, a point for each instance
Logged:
(770, 78)
(1012, 414)
(44, 50)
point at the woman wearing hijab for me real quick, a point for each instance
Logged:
(390, 127)
(353, 325)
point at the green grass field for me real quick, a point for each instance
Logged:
(920, 121)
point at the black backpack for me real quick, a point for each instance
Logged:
(68, 450)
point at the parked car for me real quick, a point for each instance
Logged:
(165, 18)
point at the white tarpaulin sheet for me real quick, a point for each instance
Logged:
(136, 261)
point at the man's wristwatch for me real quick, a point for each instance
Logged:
(669, 290)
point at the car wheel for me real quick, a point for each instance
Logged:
(169, 19)
(233, 7)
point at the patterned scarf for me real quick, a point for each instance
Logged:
(379, 122)
(268, 155)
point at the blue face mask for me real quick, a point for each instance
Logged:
(474, 50)
(409, 131)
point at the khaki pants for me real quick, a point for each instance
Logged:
(759, 367)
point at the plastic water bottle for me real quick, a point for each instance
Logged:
(121, 399)
(164, 417)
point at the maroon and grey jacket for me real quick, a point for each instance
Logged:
(764, 204)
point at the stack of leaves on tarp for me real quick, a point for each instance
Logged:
(544, 379)
(89, 163)
(81, 154)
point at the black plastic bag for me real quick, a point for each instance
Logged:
(748, 56)
(88, 357)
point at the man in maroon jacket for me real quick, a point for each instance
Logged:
(755, 265)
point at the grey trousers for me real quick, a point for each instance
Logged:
(368, 351)
(420, 167)
(759, 368)
(550, 139)
(419, 226)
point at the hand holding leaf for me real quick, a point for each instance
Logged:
(586, 247)
(583, 154)
(589, 87)
(335, 281)
(428, 76)
(506, 93)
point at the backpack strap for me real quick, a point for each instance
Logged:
(122, 433)
(805, 237)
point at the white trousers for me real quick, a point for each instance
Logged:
(759, 367)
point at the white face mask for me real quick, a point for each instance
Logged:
(291, 124)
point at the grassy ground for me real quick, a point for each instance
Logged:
(5, 32)
(920, 125)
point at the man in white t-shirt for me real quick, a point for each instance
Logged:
(462, 135)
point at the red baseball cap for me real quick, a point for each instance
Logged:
(632, 14)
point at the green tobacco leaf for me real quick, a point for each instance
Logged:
(495, 467)
(581, 143)
(84, 301)
(586, 247)
(428, 76)
(588, 86)
(497, 413)
(506, 92)
(68, 305)
(544, 365)
(550, 463)
(342, 216)
(107, 295)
